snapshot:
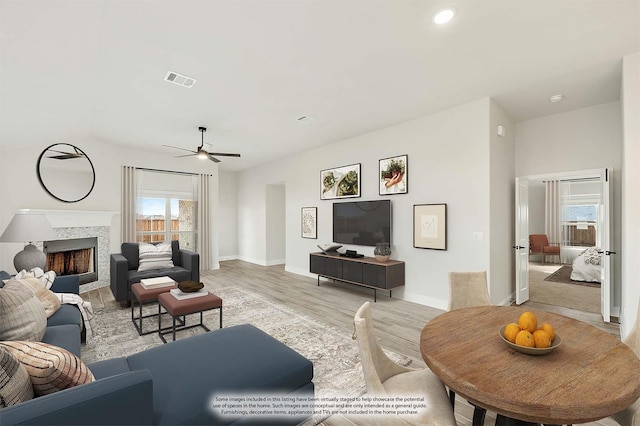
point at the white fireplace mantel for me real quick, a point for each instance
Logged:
(74, 218)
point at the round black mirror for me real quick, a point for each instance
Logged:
(66, 173)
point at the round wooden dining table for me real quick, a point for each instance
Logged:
(591, 375)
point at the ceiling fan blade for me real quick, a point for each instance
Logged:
(186, 155)
(214, 159)
(176, 147)
(222, 154)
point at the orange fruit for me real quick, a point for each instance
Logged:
(525, 338)
(549, 329)
(511, 331)
(541, 339)
(528, 321)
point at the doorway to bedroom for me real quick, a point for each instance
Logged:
(568, 210)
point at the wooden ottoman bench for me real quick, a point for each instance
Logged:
(182, 307)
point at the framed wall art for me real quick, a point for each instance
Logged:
(341, 182)
(310, 222)
(393, 175)
(430, 226)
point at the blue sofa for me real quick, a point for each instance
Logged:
(174, 384)
(65, 327)
(124, 269)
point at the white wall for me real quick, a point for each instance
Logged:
(501, 275)
(227, 215)
(630, 252)
(448, 162)
(276, 224)
(583, 139)
(21, 189)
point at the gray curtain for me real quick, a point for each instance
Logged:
(128, 205)
(204, 223)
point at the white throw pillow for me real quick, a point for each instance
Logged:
(46, 278)
(154, 256)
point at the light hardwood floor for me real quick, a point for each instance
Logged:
(398, 323)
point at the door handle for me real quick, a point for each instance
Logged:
(607, 252)
(519, 247)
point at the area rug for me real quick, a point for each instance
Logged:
(336, 363)
(563, 275)
(578, 297)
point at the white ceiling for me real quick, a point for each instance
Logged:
(80, 71)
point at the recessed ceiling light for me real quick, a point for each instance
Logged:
(556, 98)
(443, 16)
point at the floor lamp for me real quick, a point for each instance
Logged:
(26, 227)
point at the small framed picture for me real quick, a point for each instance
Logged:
(310, 222)
(340, 182)
(393, 175)
(430, 226)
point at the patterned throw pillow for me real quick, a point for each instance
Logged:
(154, 256)
(21, 313)
(50, 368)
(591, 256)
(49, 300)
(15, 385)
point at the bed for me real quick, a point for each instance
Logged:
(586, 267)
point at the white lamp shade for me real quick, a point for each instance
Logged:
(28, 227)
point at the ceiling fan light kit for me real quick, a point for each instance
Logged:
(201, 153)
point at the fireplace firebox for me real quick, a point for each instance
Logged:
(77, 256)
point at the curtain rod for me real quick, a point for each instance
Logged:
(572, 180)
(170, 171)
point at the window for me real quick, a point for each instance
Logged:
(166, 209)
(579, 224)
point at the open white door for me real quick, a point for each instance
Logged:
(522, 240)
(603, 241)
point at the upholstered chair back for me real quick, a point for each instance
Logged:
(468, 289)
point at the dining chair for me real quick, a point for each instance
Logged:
(468, 289)
(384, 377)
(630, 416)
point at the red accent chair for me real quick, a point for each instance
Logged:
(539, 245)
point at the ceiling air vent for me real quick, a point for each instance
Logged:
(180, 79)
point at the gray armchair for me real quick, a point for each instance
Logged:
(124, 269)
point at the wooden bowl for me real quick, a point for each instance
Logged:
(531, 351)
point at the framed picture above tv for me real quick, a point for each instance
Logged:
(393, 175)
(340, 182)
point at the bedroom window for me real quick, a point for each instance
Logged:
(579, 224)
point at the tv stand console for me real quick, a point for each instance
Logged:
(362, 271)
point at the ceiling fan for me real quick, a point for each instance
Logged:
(201, 153)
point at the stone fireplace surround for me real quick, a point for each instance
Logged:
(70, 224)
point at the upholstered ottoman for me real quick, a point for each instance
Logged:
(143, 296)
(182, 307)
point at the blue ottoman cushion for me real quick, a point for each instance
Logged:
(226, 363)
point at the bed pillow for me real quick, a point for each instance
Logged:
(15, 385)
(23, 316)
(591, 256)
(50, 368)
(49, 300)
(152, 256)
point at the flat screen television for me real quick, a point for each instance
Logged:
(364, 223)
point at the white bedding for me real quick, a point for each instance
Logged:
(584, 268)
